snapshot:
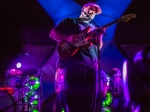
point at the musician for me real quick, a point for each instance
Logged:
(81, 67)
(116, 88)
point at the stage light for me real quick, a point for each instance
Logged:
(18, 65)
(32, 96)
(27, 96)
(108, 100)
(34, 105)
(15, 72)
(33, 83)
(106, 109)
(62, 110)
(34, 110)
(108, 80)
(31, 99)
(125, 81)
(34, 102)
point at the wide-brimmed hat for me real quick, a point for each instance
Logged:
(99, 10)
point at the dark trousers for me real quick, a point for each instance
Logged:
(118, 105)
(80, 88)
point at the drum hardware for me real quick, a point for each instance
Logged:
(20, 83)
(41, 73)
(7, 89)
(30, 96)
(7, 85)
(25, 105)
(14, 104)
(15, 80)
(12, 84)
(20, 99)
(7, 102)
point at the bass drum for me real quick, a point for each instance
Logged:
(7, 102)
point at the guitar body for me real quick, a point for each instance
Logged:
(67, 49)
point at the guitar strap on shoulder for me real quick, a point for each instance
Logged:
(78, 21)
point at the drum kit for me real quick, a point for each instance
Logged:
(13, 88)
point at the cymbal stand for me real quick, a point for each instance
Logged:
(26, 106)
(20, 85)
(28, 97)
(17, 105)
(40, 98)
(18, 98)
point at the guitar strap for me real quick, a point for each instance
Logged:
(79, 22)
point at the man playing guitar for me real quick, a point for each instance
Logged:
(78, 56)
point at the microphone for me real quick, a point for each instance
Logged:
(94, 23)
(86, 14)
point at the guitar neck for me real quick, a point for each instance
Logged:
(104, 26)
(111, 23)
(123, 18)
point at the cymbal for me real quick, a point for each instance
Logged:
(21, 71)
(8, 89)
(15, 72)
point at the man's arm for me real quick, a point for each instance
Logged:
(101, 38)
(101, 41)
(58, 36)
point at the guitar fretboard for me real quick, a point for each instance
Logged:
(111, 23)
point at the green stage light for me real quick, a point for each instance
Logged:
(108, 100)
(34, 110)
(33, 83)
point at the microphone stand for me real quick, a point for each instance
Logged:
(99, 67)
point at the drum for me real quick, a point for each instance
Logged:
(10, 84)
(7, 85)
(7, 103)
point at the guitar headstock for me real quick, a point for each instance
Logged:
(126, 18)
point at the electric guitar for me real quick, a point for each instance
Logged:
(67, 49)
